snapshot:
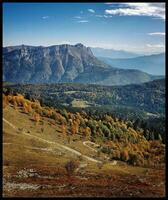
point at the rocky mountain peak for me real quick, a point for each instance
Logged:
(63, 63)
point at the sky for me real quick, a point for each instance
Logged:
(134, 27)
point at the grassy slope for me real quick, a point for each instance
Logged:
(18, 153)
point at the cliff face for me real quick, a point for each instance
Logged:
(62, 63)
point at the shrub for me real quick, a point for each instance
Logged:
(64, 113)
(100, 165)
(116, 155)
(71, 166)
(106, 150)
(135, 159)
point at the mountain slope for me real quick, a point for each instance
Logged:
(153, 64)
(36, 155)
(63, 63)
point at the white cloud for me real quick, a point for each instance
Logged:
(91, 10)
(139, 9)
(157, 33)
(99, 15)
(107, 16)
(45, 17)
(160, 46)
(83, 21)
(78, 17)
(104, 16)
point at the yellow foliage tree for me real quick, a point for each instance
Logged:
(36, 117)
(25, 107)
(87, 132)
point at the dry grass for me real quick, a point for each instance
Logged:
(24, 153)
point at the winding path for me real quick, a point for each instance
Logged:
(85, 143)
(57, 144)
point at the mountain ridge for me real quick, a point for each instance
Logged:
(113, 53)
(152, 64)
(63, 63)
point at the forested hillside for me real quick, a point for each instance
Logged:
(120, 140)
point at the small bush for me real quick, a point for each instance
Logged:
(135, 159)
(106, 150)
(71, 166)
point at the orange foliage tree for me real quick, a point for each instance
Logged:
(125, 155)
(74, 128)
(64, 129)
(29, 108)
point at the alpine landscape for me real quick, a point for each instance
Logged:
(83, 118)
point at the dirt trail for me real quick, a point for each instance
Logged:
(86, 142)
(57, 144)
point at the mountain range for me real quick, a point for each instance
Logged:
(64, 63)
(152, 64)
(113, 53)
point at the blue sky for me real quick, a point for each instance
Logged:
(136, 27)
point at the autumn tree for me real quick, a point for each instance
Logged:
(9, 98)
(20, 100)
(15, 105)
(36, 117)
(87, 132)
(74, 128)
(124, 155)
(63, 129)
(25, 107)
(50, 113)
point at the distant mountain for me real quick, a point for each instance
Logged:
(64, 63)
(153, 64)
(112, 53)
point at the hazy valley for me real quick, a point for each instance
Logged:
(152, 64)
